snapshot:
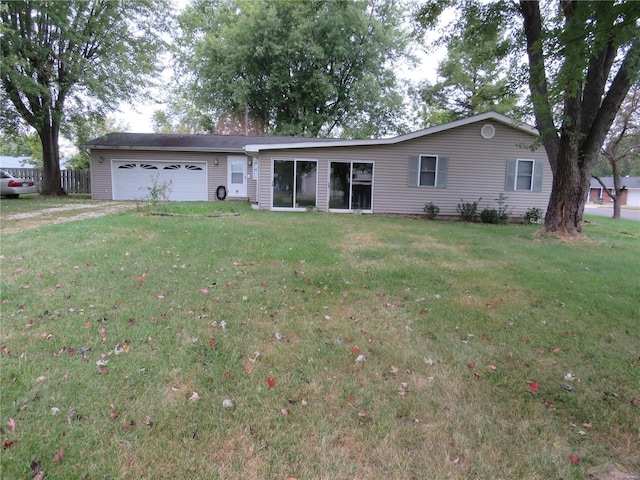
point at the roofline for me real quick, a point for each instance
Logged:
(162, 149)
(498, 117)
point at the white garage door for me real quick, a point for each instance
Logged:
(132, 179)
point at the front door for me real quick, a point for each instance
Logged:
(237, 171)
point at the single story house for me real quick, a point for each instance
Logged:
(631, 196)
(462, 161)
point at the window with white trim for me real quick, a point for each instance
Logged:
(428, 171)
(524, 175)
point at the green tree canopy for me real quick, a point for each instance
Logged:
(309, 67)
(478, 73)
(583, 57)
(74, 57)
(80, 129)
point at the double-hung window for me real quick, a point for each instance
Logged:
(427, 171)
(524, 175)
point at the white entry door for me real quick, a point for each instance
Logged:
(237, 172)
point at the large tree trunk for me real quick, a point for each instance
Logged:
(51, 184)
(568, 198)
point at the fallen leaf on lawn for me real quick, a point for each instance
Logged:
(228, 403)
(226, 374)
(194, 397)
(128, 425)
(355, 350)
(35, 469)
(248, 367)
(204, 291)
(361, 359)
(574, 459)
(41, 379)
(470, 364)
(9, 444)
(58, 456)
(533, 386)
(492, 367)
(547, 403)
(393, 370)
(285, 411)
(271, 382)
(255, 357)
(12, 424)
(476, 374)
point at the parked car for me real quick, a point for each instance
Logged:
(11, 187)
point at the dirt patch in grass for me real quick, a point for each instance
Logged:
(20, 222)
(612, 474)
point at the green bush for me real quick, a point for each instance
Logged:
(431, 210)
(533, 215)
(498, 215)
(467, 211)
(491, 215)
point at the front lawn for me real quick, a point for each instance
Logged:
(307, 345)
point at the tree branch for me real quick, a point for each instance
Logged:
(538, 84)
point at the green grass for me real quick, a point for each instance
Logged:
(429, 304)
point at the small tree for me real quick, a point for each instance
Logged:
(622, 146)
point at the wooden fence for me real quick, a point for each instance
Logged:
(72, 181)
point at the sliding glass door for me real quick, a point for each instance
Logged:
(294, 184)
(351, 186)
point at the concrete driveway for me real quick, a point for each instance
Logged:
(607, 211)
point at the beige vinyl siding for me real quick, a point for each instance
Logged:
(101, 181)
(476, 168)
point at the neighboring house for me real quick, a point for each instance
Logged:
(462, 161)
(630, 197)
(15, 162)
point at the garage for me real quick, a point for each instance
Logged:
(187, 181)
